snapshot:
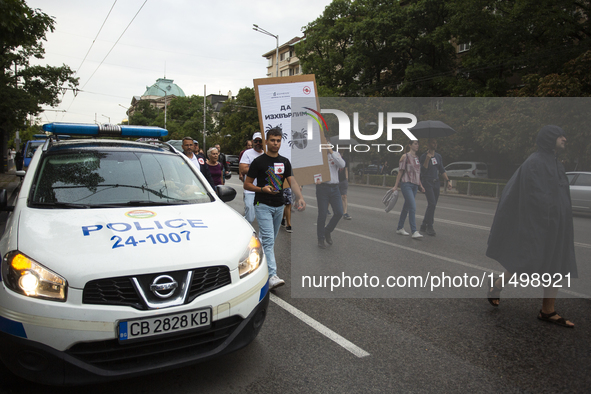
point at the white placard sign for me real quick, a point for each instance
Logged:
(301, 136)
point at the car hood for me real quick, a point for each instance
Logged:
(87, 244)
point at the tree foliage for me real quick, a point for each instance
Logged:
(239, 120)
(515, 48)
(25, 88)
(373, 47)
(184, 117)
(514, 38)
(406, 48)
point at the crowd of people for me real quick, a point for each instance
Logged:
(538, 191)
(213, 166)
(419, 173)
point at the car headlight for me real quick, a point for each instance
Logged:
(25, 276)
(252, 257)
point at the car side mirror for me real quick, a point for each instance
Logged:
(21, 173)
(225, 193)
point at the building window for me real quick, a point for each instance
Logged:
(284, 56)
(269, 61)
(463, 47)
(285, 73)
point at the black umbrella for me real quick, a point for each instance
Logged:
(336, 141)
(431, 129)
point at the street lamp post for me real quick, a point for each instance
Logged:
(261, 30)
(127, 113)
(108, 117)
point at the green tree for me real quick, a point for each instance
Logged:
(144, 114)
(574, 80)
(239, 120)
(26, 134)
(184, 117)
(380, 48)
(509, 39)
(408, 48)
(404, 48)
(25, 88)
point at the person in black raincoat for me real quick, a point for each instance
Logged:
(532, 231)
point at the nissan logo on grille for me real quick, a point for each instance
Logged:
(164, 286)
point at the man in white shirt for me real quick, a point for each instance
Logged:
(247, 158)
(329, 193)
(188, 151)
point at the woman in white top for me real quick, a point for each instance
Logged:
(409, 179)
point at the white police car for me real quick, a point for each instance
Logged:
(116, 262)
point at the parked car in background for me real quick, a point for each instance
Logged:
(370, 169)
(467, 169)
(233, 162)
(30, 149)
(580, 190)
(394, 171)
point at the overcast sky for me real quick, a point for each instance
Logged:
(193, 42)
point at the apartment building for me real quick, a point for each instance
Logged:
(288, 63)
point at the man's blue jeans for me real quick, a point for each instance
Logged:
(328, 194)
(269, 219)
(409, 191)
(432, 193)
(249, 206)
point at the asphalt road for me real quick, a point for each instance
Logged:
(381, 339)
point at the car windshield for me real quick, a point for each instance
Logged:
(93, 178)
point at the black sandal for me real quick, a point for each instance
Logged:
(494, 294)
(548, 317)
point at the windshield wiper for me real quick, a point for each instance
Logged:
(139, 203)
(58, 204)
(116, 185)
(146, 203)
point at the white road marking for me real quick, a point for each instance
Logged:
(468, 225)
(465, 211)
(433, 255)
(454, 261)
(327, 332)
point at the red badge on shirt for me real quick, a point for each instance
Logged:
(279, 168)
(201, 161)
(434, 161)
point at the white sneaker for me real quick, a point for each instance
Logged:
(402, 232)
(275, 282)
(416, 235)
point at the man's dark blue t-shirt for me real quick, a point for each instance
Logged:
(435, 167)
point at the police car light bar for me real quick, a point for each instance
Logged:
(105, 130)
